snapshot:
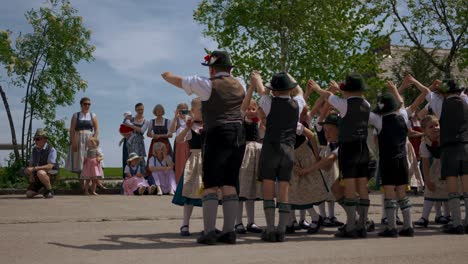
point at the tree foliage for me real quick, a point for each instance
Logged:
(43, 63)
(319, 39)
(433, 24)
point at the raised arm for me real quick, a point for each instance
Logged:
(394, 91)
(297, 90)
(248, 95)
(172, 79)
(316, 88)
(421, 97)
(258, 82)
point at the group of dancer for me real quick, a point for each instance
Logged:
(242, 151)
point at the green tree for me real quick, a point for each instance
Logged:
(319, 39)
(43, 63)
(432, 24)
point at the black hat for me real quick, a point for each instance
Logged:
(281, 82)
(386, 103)
(218, 58)
(354, 83)
(332, 119)
(449, 86)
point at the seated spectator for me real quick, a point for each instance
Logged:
(42, 168)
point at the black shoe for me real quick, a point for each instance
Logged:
(184, 230)
(342, 228)
(455, 230)
(296, 225)
(370, 226)
(388, 233)
(269, 236)
(290, 229)
(384, 221)
(422, 222)
(228, 238)
(398, 221)
(336, 222)
(280, 236)
(208, 239)
(253, 228)
(466, 229)
(408, 232)
(441, 220)
(48, 194)
(304, 224)
(313, 229)
(240, 229)
(327, 222)
(362, 233)
(346, 234)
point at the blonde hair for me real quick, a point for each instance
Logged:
(94, 140)
(160, 107)
(196, 102)
(159, 146)
(427, 120)
(182, 105)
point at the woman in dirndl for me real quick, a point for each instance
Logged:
(159, 132)
(136, 143)
(84, 124)
(181, 149)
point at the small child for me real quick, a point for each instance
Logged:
(436, 189)
(188, 192)
(135, 183)
(125, 130)
(277, 155)
(162, 170)
(92, 169)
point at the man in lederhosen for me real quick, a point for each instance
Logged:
(224, 144)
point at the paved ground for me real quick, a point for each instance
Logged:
(118, 229)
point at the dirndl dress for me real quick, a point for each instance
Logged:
(310, 189)
(190, 185)
(83, 130)
(440, 193)
(249, 187)
(92, 167)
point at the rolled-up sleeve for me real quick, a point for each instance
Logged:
(201, 86)
(265, 103)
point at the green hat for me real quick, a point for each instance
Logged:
(332, 119)
(354, 83)
(386, 103)
(449, 86)
(218, 58)
(40, 133)
(281, 82)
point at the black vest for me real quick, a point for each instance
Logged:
(282, 121)
(434, 150)
(196, 141)
(353, 126)
(454, 121)
(160, 130)
(83, 124)
(393, 136)
(251, 131)
(40, 156)
(224, 103)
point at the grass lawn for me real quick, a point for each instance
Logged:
(108, 173)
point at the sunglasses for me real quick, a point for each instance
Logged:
(38, 139)
(87, 104)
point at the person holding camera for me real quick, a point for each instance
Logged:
(181, 148)
(42, 166)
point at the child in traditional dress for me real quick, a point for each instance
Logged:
(162, 170)
(249, 187)
(188, 193)
(134, 182)
(92, 169)
(277, 155)
(354, 154)
(436, 189)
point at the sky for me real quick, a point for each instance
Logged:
(135, 42)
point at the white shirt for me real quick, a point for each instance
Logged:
(201, 86)
(341, 104)
(144, 123)
(376, 120)
(265, 104)
(436, 100)
(423, 151)
(87, 116)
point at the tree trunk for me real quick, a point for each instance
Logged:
(12, 125)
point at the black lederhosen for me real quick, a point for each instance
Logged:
(454, 160)
(223, 151)
(353, 159)
(276, 161)
(394, 171)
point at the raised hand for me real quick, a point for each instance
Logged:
(166, 74)
(312, 86)
(334, 87)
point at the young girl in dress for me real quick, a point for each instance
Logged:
(250, 189)
(162, 170)
(92, 170)
(188, 193)
(436, 189)
(135, 183)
